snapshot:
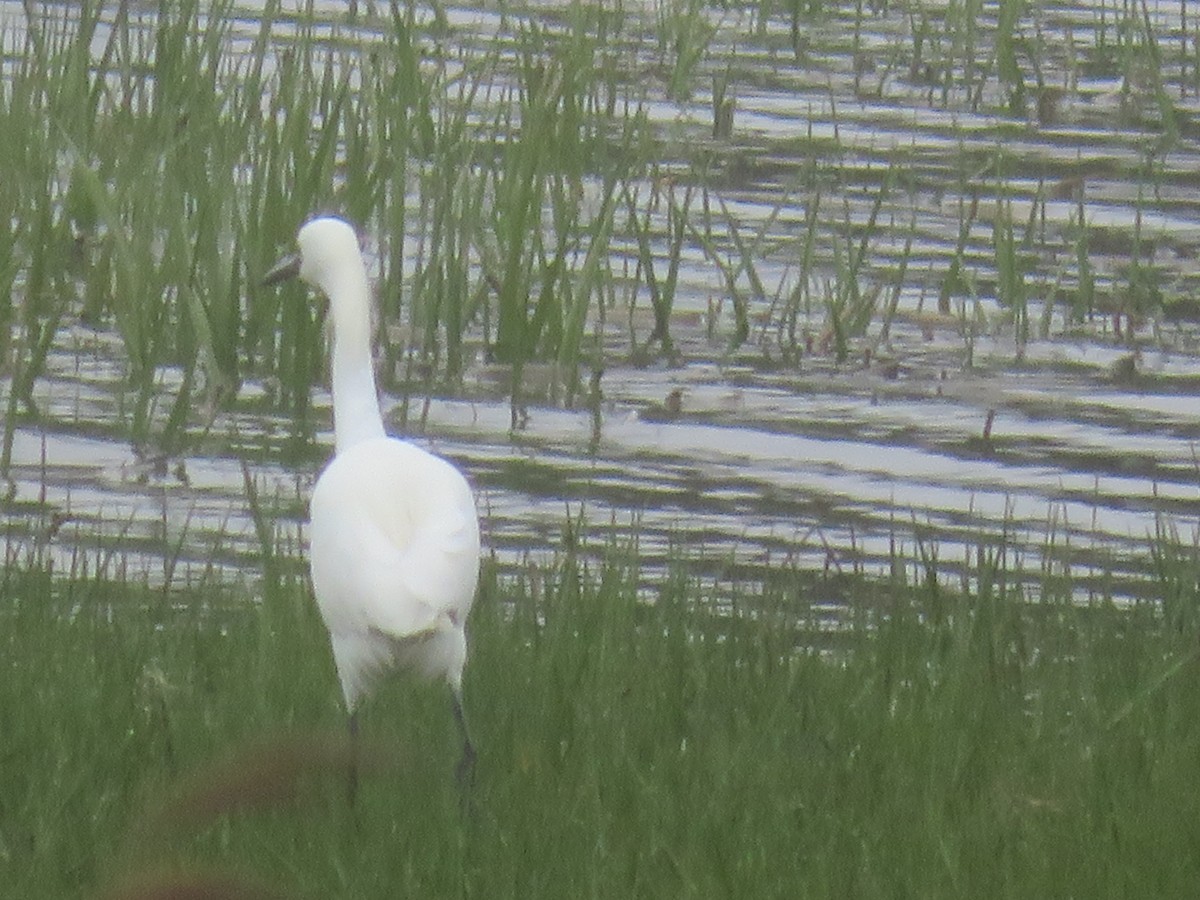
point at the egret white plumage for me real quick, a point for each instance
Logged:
(394, 533)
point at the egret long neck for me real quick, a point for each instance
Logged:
(356, 415)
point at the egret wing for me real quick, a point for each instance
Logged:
(396, 551)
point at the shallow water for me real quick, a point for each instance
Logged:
(777, 452)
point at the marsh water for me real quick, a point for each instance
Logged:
(1058, 418)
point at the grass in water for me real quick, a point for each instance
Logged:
(511, 184)
(633, 742)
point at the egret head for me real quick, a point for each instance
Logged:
(328, 255)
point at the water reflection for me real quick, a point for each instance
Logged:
(761, 458)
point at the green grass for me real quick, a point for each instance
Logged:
(158, 160)
(938, 745)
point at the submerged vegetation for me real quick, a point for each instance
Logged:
(525, 196)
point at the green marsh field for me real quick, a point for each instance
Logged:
(827, 372)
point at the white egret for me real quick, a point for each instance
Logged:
(394, 533)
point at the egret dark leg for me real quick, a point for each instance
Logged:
(464, 772)
(353, 762)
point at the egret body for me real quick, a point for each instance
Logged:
(394, 534)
